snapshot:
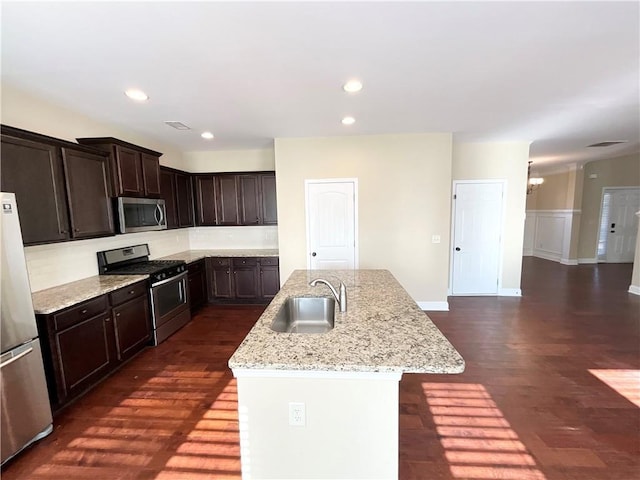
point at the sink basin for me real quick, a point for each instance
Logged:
(305, 315)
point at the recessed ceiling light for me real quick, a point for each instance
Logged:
(352, 86)
(207, 135)
(137, 95)
(348, 121)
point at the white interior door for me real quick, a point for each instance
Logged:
(331, 224)
(477, 238)
(622, 228)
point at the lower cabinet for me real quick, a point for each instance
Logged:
(197, 284)
(84, 343)
(253, 280)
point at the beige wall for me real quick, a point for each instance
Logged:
(404, 194)
(614, 172)
(556, 193)
(229, 161)
(25, 111)
(500, 161)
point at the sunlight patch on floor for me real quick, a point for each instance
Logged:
(478, 442)
(625, 382)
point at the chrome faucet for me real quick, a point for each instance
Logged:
(341, 298)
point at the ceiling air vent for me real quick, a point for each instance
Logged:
(177, 125)
(605, 144)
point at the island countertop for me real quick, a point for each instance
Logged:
(383, 330)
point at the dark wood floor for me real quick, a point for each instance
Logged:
(551, 391)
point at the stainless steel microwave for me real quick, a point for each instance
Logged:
(140, 214)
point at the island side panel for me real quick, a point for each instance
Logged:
(351, 429)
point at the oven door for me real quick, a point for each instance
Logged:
(169, 306)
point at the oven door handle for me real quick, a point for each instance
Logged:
(171, 279)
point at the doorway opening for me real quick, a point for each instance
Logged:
(618, 224)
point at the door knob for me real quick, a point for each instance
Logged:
(457, 249)
(313, 254)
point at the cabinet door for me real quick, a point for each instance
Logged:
(33, 171)
(150, 174)
(268, 194)
(206, 188)
(83, 355)
(168, 193)
(184, 198)
(132, 327)
(249, 201)
(227, 200)
(129, 172)
(219, 278)
(197, 287)
(245, 282)
(88, 194)
(269, 281)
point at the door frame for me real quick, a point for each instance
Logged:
(606, 190)
(307, 182)
(504, 184)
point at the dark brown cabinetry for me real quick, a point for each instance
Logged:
(197, 284)
(61, 189)
(135, 170)
(84, 343)
(242, 279)
(235, 199)
(175, 189)
(268, 197)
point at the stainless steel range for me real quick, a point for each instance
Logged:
(167, 284)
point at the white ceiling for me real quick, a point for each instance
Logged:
(561, 75)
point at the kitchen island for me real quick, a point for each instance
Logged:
(326, 405)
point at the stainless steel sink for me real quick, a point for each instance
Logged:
(305, 315)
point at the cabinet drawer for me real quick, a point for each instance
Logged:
(245, 261)
(127, 293)
(195, 267)
(218, 261)
(80, 312)
(269, 260)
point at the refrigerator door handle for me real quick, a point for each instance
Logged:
(16, 358)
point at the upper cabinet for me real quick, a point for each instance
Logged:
(62, 189)
(176, 190)
(235, 199)
(135, 170)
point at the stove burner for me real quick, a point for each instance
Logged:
(135, 261)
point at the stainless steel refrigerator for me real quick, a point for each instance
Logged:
(24, 401)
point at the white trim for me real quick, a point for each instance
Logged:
(587, 260)
(434, 306)
(327, 374)
(568, 261)
(600, 258)
(504, 184)
(307, 182)
(510, 292)
(560, 211)
(634, 289)
(554, 257)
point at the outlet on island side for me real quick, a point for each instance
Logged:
(296, 414)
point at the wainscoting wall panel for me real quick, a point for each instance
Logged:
(548, 234)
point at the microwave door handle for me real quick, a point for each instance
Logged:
(155, 214)
(161, 211)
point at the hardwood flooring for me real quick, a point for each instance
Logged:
(551, 392)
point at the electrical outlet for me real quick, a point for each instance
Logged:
(297, 414)
(435, 238)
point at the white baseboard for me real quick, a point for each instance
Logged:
(569, 261)
(434, 306)
(587, 260)
(510, 292)
(528, 252)
(554, 257)
(635, 289)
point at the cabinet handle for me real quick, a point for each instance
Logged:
(131, 292)
(83, 311)
(107, 320)
(117, 314)
(227, 271)
(63, 232)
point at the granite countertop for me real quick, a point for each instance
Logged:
(66, 295)
(190, 256)
(383, 330)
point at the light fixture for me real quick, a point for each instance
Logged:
(348, 121)
(207, 135)
(532, 182)
(137, 95)
(352, 86)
